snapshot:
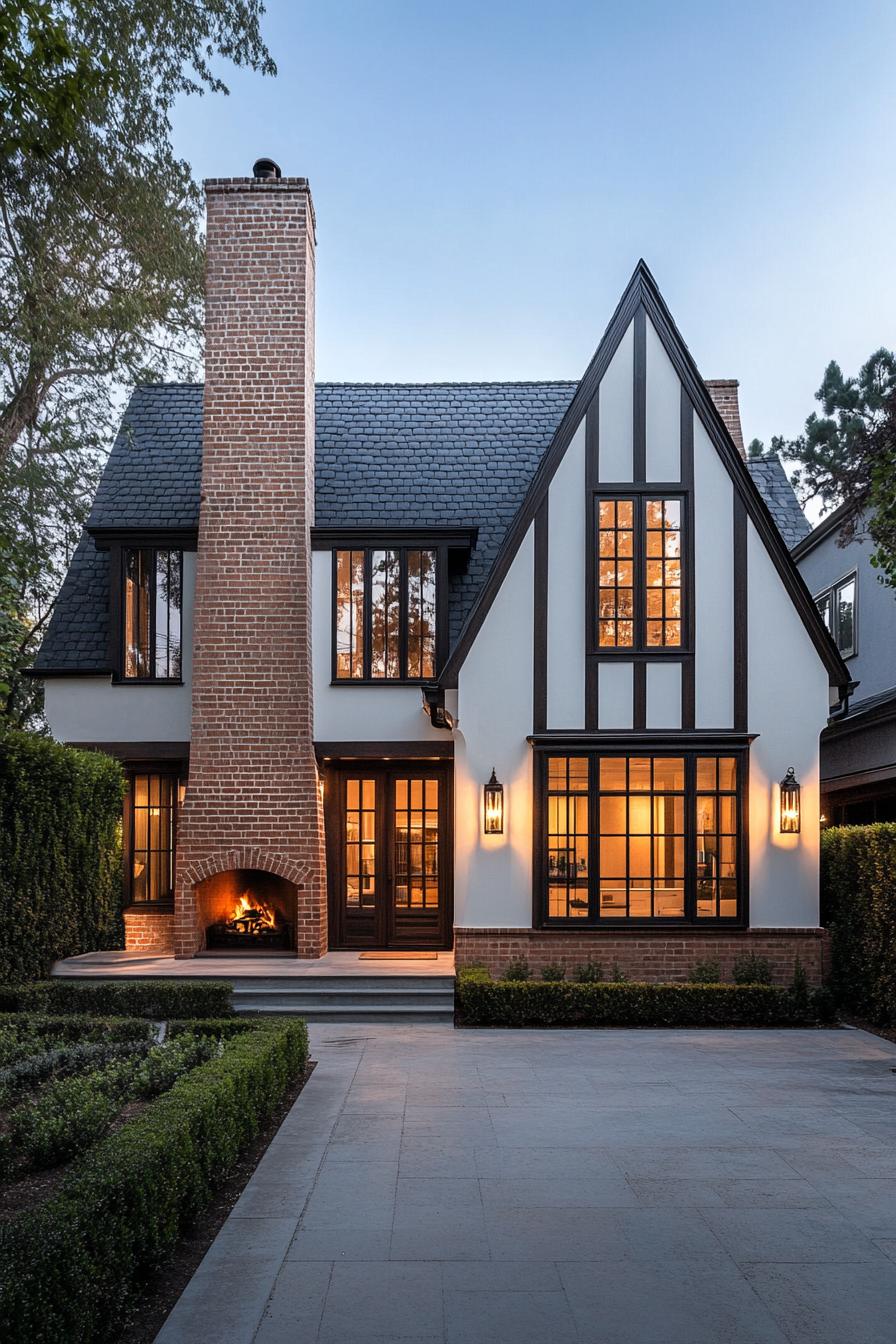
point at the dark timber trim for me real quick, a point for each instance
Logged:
(592, 477)
(688, 665)
(642, 289)
(382, 538)
(741, 642)
(639, 399)
(162, 538)
(665, 739)
(140, 752)
(540, 621)
(639, 695)
(385, 751)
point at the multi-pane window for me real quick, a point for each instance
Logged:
(360, 843)
(641, 824)
(152, 613)
(637, 837)
(838, 611)
(638, 573)
(153, 801)
(385, 614)
(417, 844)
(567, 837)
(716, 840)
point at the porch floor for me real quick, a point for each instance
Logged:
(143, 965)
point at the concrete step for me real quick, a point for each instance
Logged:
(343, 998)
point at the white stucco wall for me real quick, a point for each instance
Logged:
(566, 589)
(357, 713)
(663, 420)
(713, 585)
(91, 709)
(615, 414)
(788, 705)
(493, 873)
(664, 695)
(615, 695)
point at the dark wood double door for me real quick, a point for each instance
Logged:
(389, 855)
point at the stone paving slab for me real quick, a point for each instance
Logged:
(433, 1186)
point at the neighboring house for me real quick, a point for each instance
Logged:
(515, 667)
(858, 749)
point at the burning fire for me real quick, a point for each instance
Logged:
(250, 915)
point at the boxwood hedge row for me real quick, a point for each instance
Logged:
(483, 1002)
(135, 998)
(68, 1268)
(858, 905)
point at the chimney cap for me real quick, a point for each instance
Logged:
(266, 169)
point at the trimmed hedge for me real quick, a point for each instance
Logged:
(68, 1268)
(519, 1003)
(60, 853)
(858, 905)
(133, 998)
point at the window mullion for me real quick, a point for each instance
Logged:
(368, 614)
(403, 612)
(151, 599)
(593, 840)
(690, 838)
(639, 641)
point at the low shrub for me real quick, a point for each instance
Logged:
(21, 1034)
(60, 1061)
(161, 1067)
(705, 973)
(514, 1004)
(518, 970)
(589, 973)
(553, 972)
(751, 970)
(67, 1117)
(858, 905)
(618, 975)
(134, 998)
(68, 1268)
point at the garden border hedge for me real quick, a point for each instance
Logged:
(858, 905)
(483, 1002)
(69, 1268)
(132, 998)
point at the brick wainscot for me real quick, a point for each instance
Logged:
(645, 954)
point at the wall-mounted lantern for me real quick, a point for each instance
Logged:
(493, 795)
(790, 804)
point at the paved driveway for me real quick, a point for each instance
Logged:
(619, 1187)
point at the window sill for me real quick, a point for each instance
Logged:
(641, 925)
(662, 651)
(149, 908)
(147, 681)
(383, 681)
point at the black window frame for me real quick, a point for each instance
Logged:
(830, 595)
(402, 547)
(594, 751)
(119, 622)
(172, 773)
(639, 648)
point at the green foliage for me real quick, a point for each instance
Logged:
(59, 1061)
(848, 455)
(518, 970)
(68, 1116)
(164, 1064)
(69, 1268)
(101, 260)
(134, 998)
(751, 970)
(514, 1004)
(51, 1029)
(60, 853)
(705, 973)
(589, 973)
(858, 905)
(618, 975)
(553, 971)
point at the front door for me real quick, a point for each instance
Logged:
(388, 856)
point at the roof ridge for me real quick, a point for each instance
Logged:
(481, 382)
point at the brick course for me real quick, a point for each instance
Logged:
(149, 932)
(646, 954)
(252, 799)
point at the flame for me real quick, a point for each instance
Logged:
(251, 915)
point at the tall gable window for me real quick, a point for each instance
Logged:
(639, 602)
(153, 581)
(385, 614)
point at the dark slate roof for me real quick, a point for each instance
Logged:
(401, 454)
(770, 477)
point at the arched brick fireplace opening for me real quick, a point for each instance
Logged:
(246, 910)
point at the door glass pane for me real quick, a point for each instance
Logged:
(360, 844)
(416, 845)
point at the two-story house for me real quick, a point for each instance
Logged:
(513, 667)
(858, 748)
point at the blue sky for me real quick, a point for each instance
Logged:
(487, 174)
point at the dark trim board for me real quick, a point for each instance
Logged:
(140, 752)
(741, 612)
(540, 621)
(639, 398)
(662, 739)
(385, 751)
(641, 292)
(164, 538)
(359, 538)
(830, 524)
(689, 665)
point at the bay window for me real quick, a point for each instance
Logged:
(625, 837)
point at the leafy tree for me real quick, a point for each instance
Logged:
(847, 456)
(101, 257)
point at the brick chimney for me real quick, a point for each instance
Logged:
(724, 394)
(252, 801)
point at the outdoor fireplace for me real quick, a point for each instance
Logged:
(246, 910)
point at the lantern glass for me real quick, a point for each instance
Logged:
(790, 804)
(493, 796)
